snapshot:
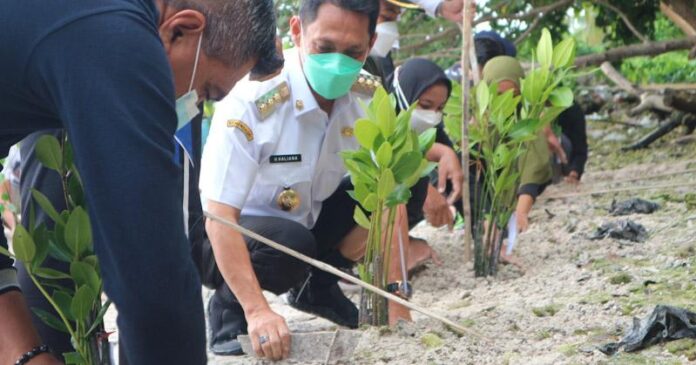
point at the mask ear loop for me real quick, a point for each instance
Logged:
(187, 168)
(195, 61)
(400, 97)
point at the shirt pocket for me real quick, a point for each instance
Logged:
(273, 179)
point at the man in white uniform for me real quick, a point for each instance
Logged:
(272, 164)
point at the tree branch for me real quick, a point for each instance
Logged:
(620, 81)
(625, 19)
(643, 49)
(453, 31)
(532, 13)
(530, 29)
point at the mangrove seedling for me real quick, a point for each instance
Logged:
(389, 161)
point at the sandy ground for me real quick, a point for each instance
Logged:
(575, 293)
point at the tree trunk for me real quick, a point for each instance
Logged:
(643, 49)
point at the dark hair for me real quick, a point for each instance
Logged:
(237, 31)
(370, 8)
(486, 49)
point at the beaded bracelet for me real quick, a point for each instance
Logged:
(36, 351)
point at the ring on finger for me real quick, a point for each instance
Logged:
(263, 339)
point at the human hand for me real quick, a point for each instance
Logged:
(449, 168)
(573, 178)
(270, 326)
(522, 222)
(453, 10)
(556, 148)
(437, 209)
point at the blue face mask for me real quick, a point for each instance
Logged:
(187, 104)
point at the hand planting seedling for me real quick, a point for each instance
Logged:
(78, 305)
(388, 163)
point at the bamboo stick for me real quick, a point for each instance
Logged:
(332, 270)
(467, 45)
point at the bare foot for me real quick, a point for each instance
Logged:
(511, 260)
(419, 252)
(398, 312)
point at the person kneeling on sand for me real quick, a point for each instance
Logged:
(272, 164)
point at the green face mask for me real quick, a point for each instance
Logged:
(331, 75)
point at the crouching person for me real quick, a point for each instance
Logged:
(272, 164)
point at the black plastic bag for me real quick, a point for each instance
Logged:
(666, 323)
(633, 206)
(624, 229)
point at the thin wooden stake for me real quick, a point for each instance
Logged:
(467, 45)
(332, 270)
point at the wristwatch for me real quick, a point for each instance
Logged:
(400, 288)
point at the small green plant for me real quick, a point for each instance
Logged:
(505, 127)
(620, 279)
(387, 164)
(78, 305)
(547, 310)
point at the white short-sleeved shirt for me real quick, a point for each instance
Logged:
(270, 136)
(11, 166)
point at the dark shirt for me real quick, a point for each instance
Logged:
(574, 126)
(98, 69)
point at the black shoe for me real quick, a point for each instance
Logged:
(226, 321)
(324, 301)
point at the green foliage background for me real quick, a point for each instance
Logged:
(594, 27)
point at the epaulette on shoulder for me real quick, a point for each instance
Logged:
(367, 84)
(271, 100)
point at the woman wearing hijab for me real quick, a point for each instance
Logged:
(534, 165)
(424, 83)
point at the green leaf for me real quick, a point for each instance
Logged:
(92, 260)
(23, 244)
(78, 232)
(77, 196)
(384, 155)
(426, 140)
(51, 274)
(49, 153)
(100, 317)
(561, 97)
(406, 166)
(50, 319)
(47, 206)
(525, 130)
(365, 132)
(386, 118)
(400, 195)
(82, 302)
(386, 184)
(4, 251)
(85, 274)
(545, 49)
(482, 98)
(63, 300)
(42, 240)
(370, 203)
(360, 218)
(74, 358)
(564, 53)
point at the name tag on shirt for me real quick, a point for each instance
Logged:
(286, 158)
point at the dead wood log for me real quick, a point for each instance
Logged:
(681, 100)
(616, 77)
(643, 49)
(674, 122)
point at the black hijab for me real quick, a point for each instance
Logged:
(417, 75)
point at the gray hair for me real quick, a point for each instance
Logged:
(238, 31)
